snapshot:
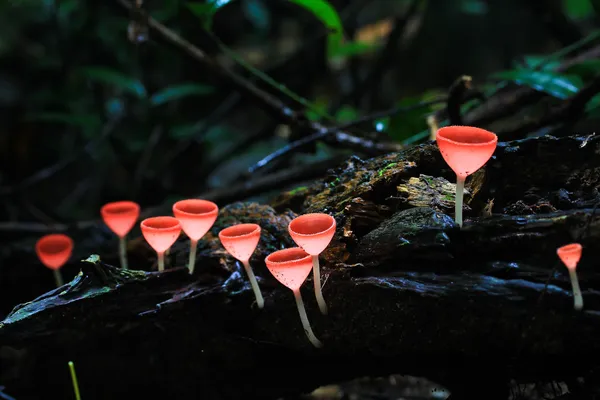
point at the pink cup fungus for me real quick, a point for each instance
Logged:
(291, 267)
(196, 217)
(465, 149)
(240, 241)
(313, 232)
(570, 255)
(54, 251)
(161, 233)
(120, 217)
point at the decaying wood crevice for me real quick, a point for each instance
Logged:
(408, 291)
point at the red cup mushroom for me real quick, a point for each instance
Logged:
(240, 241)
(291, 267)
(570, 255)
(54, 251)
(313, 232)
(465, 149)
(196, 217)
(120, 217)
(161, 233)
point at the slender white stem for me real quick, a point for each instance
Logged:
(58, 278)
(259, 298)
(123, 252)
(317, 282)
(192, 262)
(458, 201)
(577, 297)
(304, 318)
(161, 262)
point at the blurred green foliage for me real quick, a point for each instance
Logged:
(144, 121)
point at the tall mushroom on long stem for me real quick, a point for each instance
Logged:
(570, 255)
(313, 232)
(291, 267)
(465, 149)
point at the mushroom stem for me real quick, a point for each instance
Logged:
(161, 261)
(458, 201)
(577, 297)
(259, 298)
(58, 278)
(304, 318)
(317, 282)
(192, 262)
(123, 252)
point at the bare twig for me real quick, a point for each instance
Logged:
(270, 103)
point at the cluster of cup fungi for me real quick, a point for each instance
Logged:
(465, 149)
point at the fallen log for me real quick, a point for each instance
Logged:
(408, 291)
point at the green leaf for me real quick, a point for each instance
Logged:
(81, 120)
(184, 131)
(586, 69)
(88, 123)
(178, 92)
(578, 9)
(533, 61)
(354, 49)
(405, 124)
(319, 107)
(593, 105)
(346, 113)
(328, 15)
(557, 85)
(117, 79)
(474, 7)
(206, 11)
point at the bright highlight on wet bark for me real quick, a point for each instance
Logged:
(313, 232)
(161, 233)
(120, 217)
(570, 256)
(240, 241)
(196, 217)
(54, 251)
(465, 149)
(291, 267)
(74, 380)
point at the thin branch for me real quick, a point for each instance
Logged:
(271, 103)
(391, 112)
